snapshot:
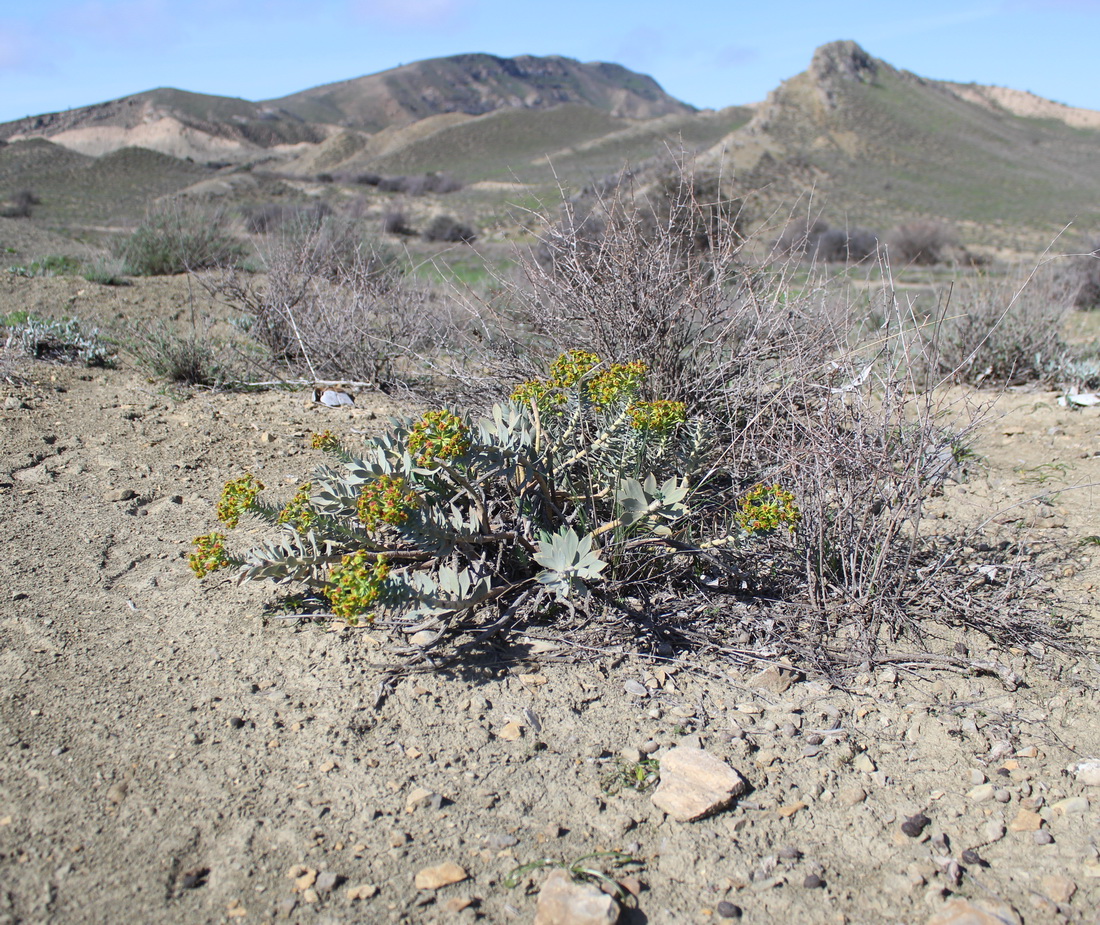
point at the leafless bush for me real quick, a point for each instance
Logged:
(1000, 331)
(419, 184)
(792, 393)
(650, 275)
(332, 313)
(845, 245)
(923, 243)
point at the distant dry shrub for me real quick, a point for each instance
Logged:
(922, 243)
(20, 205)
(450, 229)
(1083, 278)
(799, 237)
(178, 236)
(419, 184)
(845, 245)
(396, 221)
(1001, 331)
(266, 217)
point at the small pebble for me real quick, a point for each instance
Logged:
(915, 825)
(1002, 796)
(728, 910)
(971, 857)
(814, 739)
(789, 853)
(236, 722)
(648, 748)
(1043, 837)
(813, 882)
(327, 882)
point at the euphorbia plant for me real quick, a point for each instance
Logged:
(567, 491)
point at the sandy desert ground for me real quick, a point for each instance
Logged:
(171, 752)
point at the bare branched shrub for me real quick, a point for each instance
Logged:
(650, 275)
(1002, 331)
(418, 184)
(331, 306)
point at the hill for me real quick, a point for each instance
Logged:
(476, 84)
(216, 128)
(876, 143)
(866, 143)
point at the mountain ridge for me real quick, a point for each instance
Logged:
(183, 123)
(877, 144)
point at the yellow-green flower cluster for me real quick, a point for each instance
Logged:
(617, 382)
(209, 555)
(355, 585)
(438, 436)
(297, 512)
(543, 394)
(604, 388)
(386, 500)
(568, 369)
(326, 440)
(237, 497)
(767, 508)
(657, 417)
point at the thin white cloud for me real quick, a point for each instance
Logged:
(1047, 6)
(119, 22)
(27, 50)
(417, 13)
(16, 50)
(643, 47)
(736, 55)
(903, 28)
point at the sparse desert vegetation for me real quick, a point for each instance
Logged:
(535, 472)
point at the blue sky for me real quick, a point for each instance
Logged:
(57, 54)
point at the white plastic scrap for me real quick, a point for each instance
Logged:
(332, 397)
(1079, 399)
